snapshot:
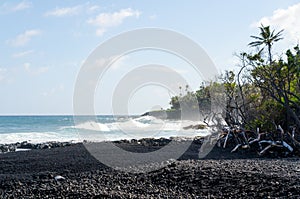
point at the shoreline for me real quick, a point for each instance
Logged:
(145, 145)
(162, 141)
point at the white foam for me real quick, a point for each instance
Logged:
(145, 124)
(129, 128)
(147, 119)
(36, 137)
(94, 126)
(141, 123)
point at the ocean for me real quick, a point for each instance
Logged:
(39, 129)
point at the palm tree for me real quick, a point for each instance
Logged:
(180, 94)
(266, 38)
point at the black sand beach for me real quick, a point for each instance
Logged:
(31, 174)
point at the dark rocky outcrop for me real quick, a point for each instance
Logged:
(27, 145)
(172, 115)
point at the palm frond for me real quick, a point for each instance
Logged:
(256, 37)
(255, 43)
(279, 34)
(266, 37)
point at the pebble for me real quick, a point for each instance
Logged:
(59, 178)
(80, 176)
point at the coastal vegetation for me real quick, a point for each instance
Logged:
(262, 96)
(264, 92)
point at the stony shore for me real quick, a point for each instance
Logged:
(71, 172)
(4, 148)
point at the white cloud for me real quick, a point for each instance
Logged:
(93, 8)
(67, 11)
(21, 6)
(24, 38)
(35, 71)
(9, 7)
(106, 20)
(22, 54)
(71, 11)
(287, 19)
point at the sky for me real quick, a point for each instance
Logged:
(45, 43)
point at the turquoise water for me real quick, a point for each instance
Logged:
(38, 129)
(27, 124)
(22, 124)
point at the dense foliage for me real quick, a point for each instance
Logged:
(264, 93)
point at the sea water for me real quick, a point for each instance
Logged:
(38, 129)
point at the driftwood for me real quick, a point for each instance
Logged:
(280, 143)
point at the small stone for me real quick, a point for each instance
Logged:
(59, 178)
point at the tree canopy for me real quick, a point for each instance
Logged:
(265, 91)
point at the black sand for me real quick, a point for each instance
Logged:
(30, 174)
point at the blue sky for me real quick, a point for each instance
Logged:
(44, 43)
